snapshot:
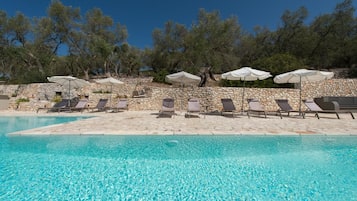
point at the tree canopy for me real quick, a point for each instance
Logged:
(30, 49)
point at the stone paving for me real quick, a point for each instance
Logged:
(148, 123)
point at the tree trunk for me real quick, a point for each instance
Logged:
(86, 74)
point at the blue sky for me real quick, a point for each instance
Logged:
(141, 17)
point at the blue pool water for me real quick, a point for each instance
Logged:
(174, 167)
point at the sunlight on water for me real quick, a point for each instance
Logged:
(174, 167)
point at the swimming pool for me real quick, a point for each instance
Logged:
(174, 167)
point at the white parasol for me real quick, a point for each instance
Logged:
(297, 76)
(110, 82)
(183, 78)
(245, 74)
(68, 82)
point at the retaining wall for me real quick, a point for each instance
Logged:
(42, 94)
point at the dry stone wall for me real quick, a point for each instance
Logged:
(42, 94)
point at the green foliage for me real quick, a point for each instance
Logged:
(28, 77)
(160, 76)
(29, 47)
(129, 60)
(209, 42)
(102, 92)
(267, 83)
(352, 73)
(278, 63)
(57, 99)
(22, 100)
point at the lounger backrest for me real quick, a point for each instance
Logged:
(312, 105)
(254, 104)
(228, 104)
(123, 103)
(168, 104)
(61, 104)
(284, 104)
(102, 103)
(82, 103)
(194, 105)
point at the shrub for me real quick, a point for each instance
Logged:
(57, 99)
(160, 76)
(102, 92)
(21, 100)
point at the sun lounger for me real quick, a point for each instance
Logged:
(101, 105)
(314, 108)
(139, 94)
(228, 106)
(167, 108)
(80, 106)
(284, 106)
(57, 107)
(193, 107)
(121, 105)
(4, 102)
(256, 107)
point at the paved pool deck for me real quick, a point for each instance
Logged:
(148, 123)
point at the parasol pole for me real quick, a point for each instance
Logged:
(69, 93)
(181, 99)
(110, 97)
(300, 97)
(243, 96)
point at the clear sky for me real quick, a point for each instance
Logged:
(141, 17)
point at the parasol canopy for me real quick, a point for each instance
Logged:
(68, 82)
(110, 82)
(182, 78)
(246, 74)
(297, 76)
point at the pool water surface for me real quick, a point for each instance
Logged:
(234, 167)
